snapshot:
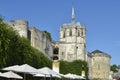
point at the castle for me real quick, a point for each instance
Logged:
(72, 46)
(37, 38)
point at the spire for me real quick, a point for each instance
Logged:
(73, 15)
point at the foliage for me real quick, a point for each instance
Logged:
(6, 34)
(17, 50)
(48, 35)
(74, 67)
(40, 60)
(114, 68)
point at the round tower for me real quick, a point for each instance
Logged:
(22, 27)
(100, 65)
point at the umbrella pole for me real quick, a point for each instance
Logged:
(45, 77)
(50, 77)
(24, 76)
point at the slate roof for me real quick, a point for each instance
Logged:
(69, 25)
(99, 53)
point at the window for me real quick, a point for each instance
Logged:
(64, 34)
(82, 32)
(70, 33)
(78, 33)
(55, 57)
(56, 50)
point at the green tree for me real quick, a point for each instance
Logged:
(17, 50)
(6, 34)
(114, 68)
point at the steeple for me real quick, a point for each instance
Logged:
(73, 15)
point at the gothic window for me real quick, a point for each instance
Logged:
(78, 33)
(64, 34)
(56, 50)
(70, 33)
(82, 32)
(55, 57)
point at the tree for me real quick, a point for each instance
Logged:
(114, 68)
(17, 50)
(6, 34)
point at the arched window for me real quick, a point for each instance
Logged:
(78, 33)
(82, 32)
(64, 34)
(56, 50)
(55, 57)
(70, 33)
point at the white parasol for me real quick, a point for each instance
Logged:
(48, 71)
(10, 74)
(26, 69)
(10, 68)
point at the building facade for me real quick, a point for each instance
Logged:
(70, 47)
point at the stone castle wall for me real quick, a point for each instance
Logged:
(40, 41)
(38, 38)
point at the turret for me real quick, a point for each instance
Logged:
(21, 26)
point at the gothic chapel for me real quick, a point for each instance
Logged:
(72, 44)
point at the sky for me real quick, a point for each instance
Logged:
(101, 17)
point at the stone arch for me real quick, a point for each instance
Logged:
(55, 57)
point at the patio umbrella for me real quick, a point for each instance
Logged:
(78, 76)
(26, 69)
(69, 75)
(10, 74)
(10, 68)
(41, 75)
(0, 73)
(73, 76)
(48, 71)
